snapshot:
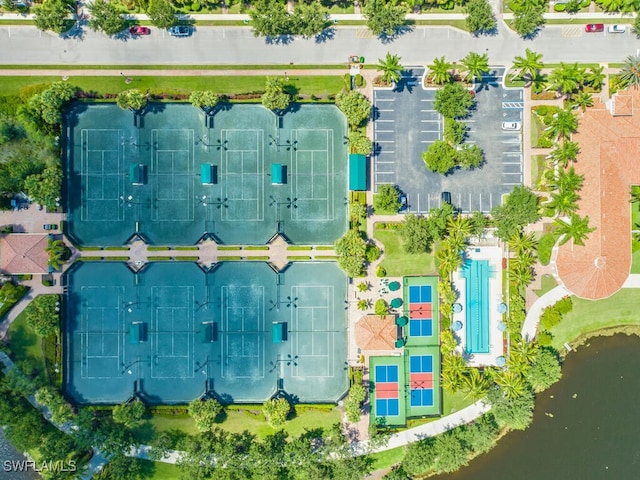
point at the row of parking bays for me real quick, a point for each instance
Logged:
(405, 124)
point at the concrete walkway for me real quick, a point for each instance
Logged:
(530, 325)
(633, 281)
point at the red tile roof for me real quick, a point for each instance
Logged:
(23, 253)
(374, 332)
(609, 160)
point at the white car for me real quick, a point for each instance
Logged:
(617, 28)
(511, 126)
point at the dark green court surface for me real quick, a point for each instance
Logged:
(176, 176)
(172, 332)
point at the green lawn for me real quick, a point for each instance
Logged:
(161, 470)
(316, 85)
(451, 403)
(388, 458)
(548, 283)
(396, 262)
(635, 262)
(238, 422)
(25, 344)
(537, 163)
(537, 129)
(588, 316)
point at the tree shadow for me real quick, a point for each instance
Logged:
(76, 32)
(398, 32)
(284, 39)
(325, 35)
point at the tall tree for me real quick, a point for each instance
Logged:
(566, 79)
(440, 71)
(383, 18)
(133, 100)
(162, 13)
(563, 124)
(544, 371)
(129, 414)
(564, 202)
(416, 234)
(355, 106)
(523, 243)
(45, 187)
(475, 384)
(390, 68)
(630, 72)
(595, 77)
(42, 316)
(480, 18)
(515, 413)
(577, 230)
(565, 152)
(275, 97)
(453, 101)
(309, 19)
(270, 18)
(520, 208)
(52, 15)
(206, 100)
(475, 65)
(351, 249)
(387, 200)
(529, 20)
(528, 66)
(106, 16)
(440, 157)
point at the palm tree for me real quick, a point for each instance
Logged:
(363, 304)
(55, 249)
(570, 180)
(630, 72)
(459, 225)
(539, 83)
(511, 383)
(390, 68)
(566, 79)
(475, 64)
(595, 77)
(577, 229)
(523, 243)
(563, 124)
(520, 273)
(453, 368)
(475, 383)
(522, 262)
(448, 342)
(583, 101)
(449, 259)
(564, 153)
(528, 66)
(527, 351)
(440, 71)
(564, 202)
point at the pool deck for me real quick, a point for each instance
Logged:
(496, 348)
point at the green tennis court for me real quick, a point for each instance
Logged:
(144, 177)
(172, 332)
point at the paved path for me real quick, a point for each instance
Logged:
(633, 281)
(530, 325)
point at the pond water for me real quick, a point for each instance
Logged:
(8, 453)
(595, 429)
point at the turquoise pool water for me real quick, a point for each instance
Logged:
(476, 274)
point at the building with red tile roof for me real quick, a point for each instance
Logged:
(24, 253)
(609, 139)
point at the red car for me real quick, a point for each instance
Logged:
(594, 27)
(138, 30)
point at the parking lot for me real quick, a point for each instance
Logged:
(405, 124)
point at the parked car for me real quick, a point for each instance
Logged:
(617, 28)
(511, 126)
(446, 197)
(50, 226)
(138, 30)
(403, 202)
(594, 27)
(180, 31)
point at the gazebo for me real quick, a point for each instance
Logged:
(375, 332)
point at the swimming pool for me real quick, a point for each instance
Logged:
(476, 274)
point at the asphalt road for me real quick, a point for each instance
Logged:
(237, 45)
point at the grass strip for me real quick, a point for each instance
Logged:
(185, 248)
(287, 67)
(88, 249)
(325, 247)
(155, 248)
(229, 258)
(116, 259)
(321, 85)
(115, 248)
(296, 258)
(300, 247)
(257, 259)
(232, 247)
(186, 259)
(158, 259)
(257, 247)
(89, 259)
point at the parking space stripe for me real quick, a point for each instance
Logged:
(378, 99)
(385, 131)
(385, 141)
(382, 163)
(429, 131)
(387, 110)
(385, 121)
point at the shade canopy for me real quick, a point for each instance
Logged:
(457, 308)
(396, 303)
(501, 326)
(357, 172)
(502, 308)
(456, 326)
(394, 286)
(277, 174)
(402, 321)
(500, 361)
